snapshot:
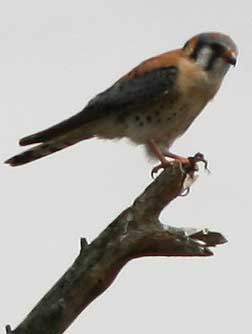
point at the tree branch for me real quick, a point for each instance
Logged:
(136, 232)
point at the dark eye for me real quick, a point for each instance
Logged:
(218, 49)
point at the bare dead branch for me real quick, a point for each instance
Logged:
(136, 232)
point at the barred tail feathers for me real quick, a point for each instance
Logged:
(44, 149)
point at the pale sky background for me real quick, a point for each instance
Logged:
(54, 57)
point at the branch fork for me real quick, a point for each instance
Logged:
(135, 233)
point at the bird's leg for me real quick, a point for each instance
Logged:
(198, 157)
(192, 161)
(154, 148)
(176, 157)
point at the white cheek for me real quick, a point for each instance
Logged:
(204, 56)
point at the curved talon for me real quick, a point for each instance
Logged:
(185, 192)
(198, 157)
(163, 165)
(192, 161)
(155, 170)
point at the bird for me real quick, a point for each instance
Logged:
(152, 105)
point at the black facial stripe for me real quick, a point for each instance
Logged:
(196, 51)
(211, 62)
(218, 51)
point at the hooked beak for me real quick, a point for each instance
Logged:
(230, 58)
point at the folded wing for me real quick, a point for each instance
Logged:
(125, 95)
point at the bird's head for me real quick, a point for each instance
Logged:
(212, 51)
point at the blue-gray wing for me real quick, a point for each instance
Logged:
(124, 95)
(137, 91)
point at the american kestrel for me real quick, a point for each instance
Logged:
(152, 105)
